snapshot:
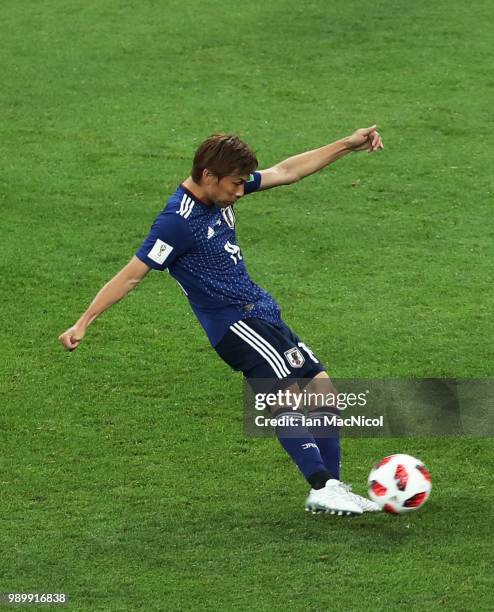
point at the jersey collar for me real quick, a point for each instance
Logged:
(195, 198)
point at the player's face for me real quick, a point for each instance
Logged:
(227, 190)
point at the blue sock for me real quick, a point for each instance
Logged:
(299, 443)
(328, 441)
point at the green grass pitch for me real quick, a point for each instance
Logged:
(125, 477)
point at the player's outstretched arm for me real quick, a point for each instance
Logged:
(299, 166)
(118, 287)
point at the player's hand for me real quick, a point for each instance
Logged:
(365, 139)
(72, 337)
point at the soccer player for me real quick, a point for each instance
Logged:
(194, 238)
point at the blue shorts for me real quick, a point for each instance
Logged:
(264, 351)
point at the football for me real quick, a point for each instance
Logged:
(399, 484)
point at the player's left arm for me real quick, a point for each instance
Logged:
(295, 168)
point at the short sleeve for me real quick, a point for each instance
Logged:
(169, 238)
(253, 183)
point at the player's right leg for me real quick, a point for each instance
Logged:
(259, 351)
(327, 437)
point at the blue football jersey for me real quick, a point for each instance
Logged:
(197, 244)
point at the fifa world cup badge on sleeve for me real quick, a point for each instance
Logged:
(160, 251)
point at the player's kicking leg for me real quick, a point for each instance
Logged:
(327, 493)
(263, 351)
(327, 440)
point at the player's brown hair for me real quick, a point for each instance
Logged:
(223, 155)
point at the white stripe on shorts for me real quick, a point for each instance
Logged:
(270, 347)
(260, 350)
(262, 346)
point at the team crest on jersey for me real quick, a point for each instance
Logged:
(295, 357)
(229, 217)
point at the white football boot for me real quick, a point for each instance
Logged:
(367, 505)
(334, 498)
